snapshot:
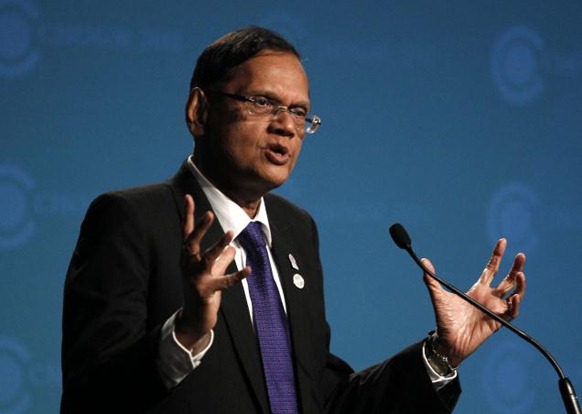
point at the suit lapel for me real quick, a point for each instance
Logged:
(234, 308)
(297, 298)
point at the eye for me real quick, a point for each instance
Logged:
(261, 101)
(299, 112)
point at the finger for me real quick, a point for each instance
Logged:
(509, 282)
(219, 249)
(220, 256)
(515, 300)
(432, 285)
(188, 225)
(506, 286)
(193, 241)
(520, 284)
(226, 281)
(492, 266)
(518, 263)
(427, 263)
(514, 304)
(234, 278)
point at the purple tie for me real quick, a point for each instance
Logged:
(270, 323)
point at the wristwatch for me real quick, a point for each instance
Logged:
(438, 362)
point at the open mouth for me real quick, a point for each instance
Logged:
(277, 153)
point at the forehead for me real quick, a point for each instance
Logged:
(276, 72)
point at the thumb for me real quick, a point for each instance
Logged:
(433, 286)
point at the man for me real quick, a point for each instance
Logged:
(161, 313)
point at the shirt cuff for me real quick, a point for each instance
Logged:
(438, 381)
(175, 361)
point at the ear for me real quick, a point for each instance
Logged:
(196, 112)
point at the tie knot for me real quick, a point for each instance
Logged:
(252, 236)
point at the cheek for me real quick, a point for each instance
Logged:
(298, 146)
(233, 152)
(296, 153)
(237, 147)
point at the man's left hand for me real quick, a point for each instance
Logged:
(461, 327)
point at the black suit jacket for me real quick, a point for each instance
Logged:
(124, 282)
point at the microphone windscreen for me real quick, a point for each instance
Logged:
(400, 236)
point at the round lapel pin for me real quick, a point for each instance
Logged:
(298, 281)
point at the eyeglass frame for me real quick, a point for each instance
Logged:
(310, 123)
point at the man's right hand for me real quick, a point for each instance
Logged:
(204, 279)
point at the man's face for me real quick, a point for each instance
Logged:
(247, 155)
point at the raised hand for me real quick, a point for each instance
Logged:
(204, 278)
(462, 328)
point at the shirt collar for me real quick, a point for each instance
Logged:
(229, 214)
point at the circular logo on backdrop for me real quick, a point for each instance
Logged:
(16, 226)
(515, 64)
(511, 214)
(14, 358)
(17, 53)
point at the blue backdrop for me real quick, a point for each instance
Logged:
(462, 120)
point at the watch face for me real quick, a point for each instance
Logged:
(439, 363)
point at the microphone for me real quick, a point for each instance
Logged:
(402, 240)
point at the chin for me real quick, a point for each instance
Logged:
(276, 178)
(272, 183)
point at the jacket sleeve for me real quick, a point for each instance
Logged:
(108, 354)
(397, 385)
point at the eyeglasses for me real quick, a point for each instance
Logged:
(261, 106)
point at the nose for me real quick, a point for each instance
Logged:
(284, 123)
